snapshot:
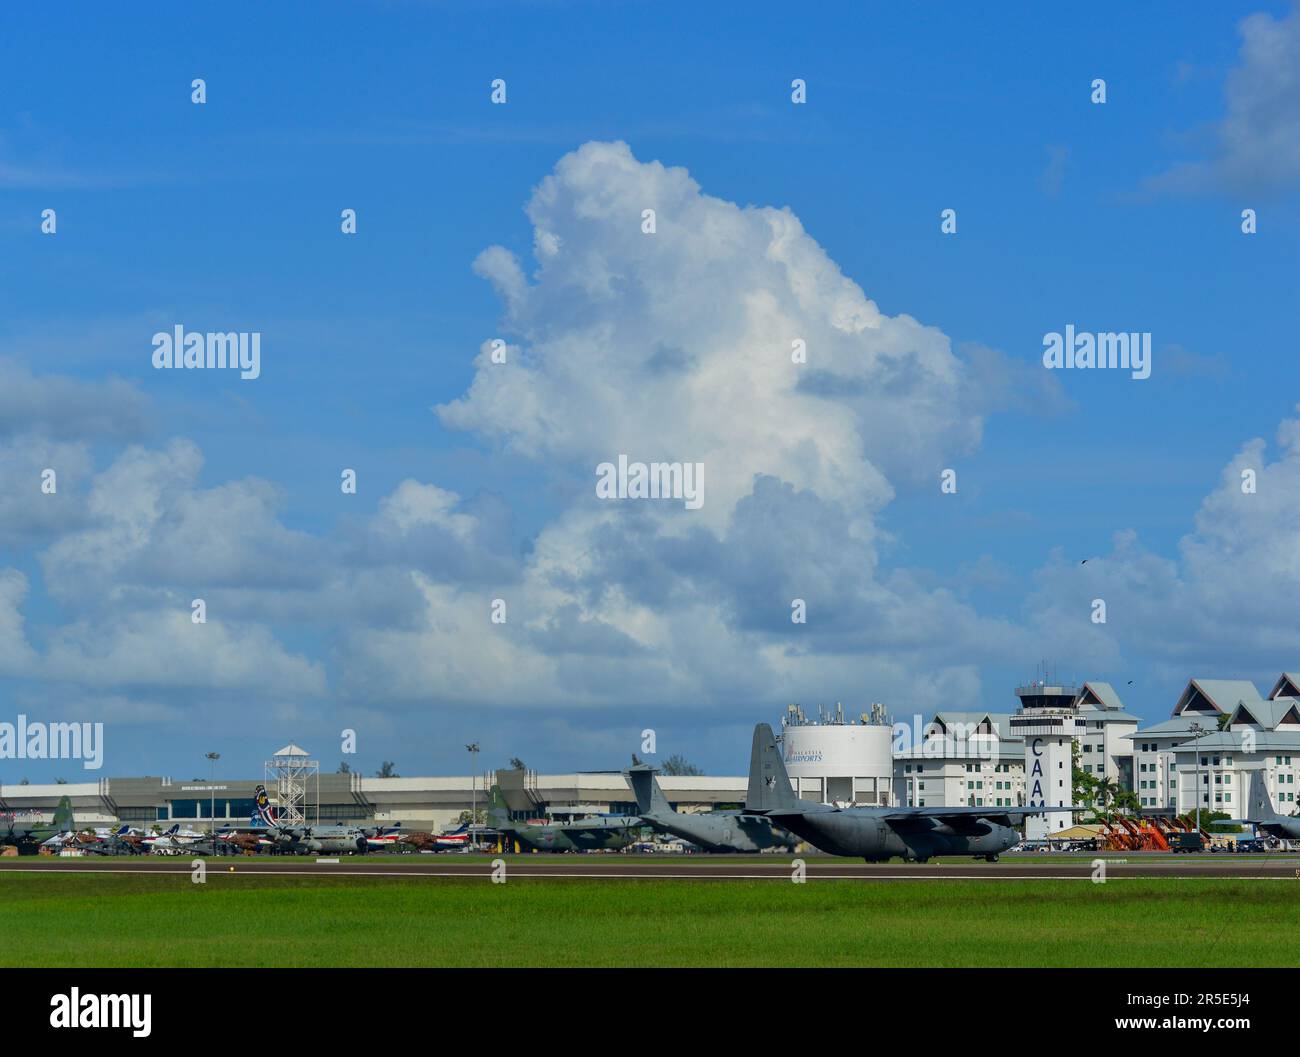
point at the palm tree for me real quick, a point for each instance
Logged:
(1127, 801)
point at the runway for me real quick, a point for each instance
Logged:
(694, 868)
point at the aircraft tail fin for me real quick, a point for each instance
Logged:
(263, 812)
(498, 810)
(64, 822)
(1261, 804)
(650, 798)
(769, 784)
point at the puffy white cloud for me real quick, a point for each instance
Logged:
(16, 654)
(164, 648)
(150, 525)
(69, 408)
(1226, 605)
(677, 346)
(1256, 144)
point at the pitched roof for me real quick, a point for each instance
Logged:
(1215, 695)
(1279, 712)
(1099, 695)
(1287, 685)
(999, 721)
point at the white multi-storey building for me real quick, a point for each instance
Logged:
(1221, 736)
(965, 758)
(984, 759)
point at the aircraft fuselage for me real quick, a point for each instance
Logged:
(859, 832)
(722, 831)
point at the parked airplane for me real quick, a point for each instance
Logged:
(121, 841)
(878, 833)
(27, 833)
(310, 840)
(452, 840)
(98, 841)
(584, 834)
(172, 841)
(715, 831)
(1264, 816)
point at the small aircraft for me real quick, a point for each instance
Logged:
(172, 841)
(121, 841)
(452, 840)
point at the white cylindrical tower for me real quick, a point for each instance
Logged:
(837, 761)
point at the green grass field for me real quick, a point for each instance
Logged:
(133, 920)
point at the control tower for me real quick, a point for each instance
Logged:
(1049, 723)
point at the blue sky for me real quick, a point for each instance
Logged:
(225, 216)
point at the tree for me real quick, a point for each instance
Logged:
(480, 817)
(343, 769)
(1208, 818)
(1127, 801)
(677, 766)
(1085, 785)
(387, 770)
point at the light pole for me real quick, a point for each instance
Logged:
(213, 757)
(1198, 732)
(472, 749)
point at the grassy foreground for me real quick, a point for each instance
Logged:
(133, 920)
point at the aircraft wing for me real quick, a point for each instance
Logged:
(1011, 814)
(603, 823)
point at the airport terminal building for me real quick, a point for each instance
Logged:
(1221, 733)
(432, 803)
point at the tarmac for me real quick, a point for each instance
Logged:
(693, 868)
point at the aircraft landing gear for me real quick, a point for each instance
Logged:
(993, 857)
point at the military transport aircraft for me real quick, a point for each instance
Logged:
(715, 831)
(584, 834)
(878, 833)
(28, 833)
(1264, 816)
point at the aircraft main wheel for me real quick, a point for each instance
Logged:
(990, 858)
